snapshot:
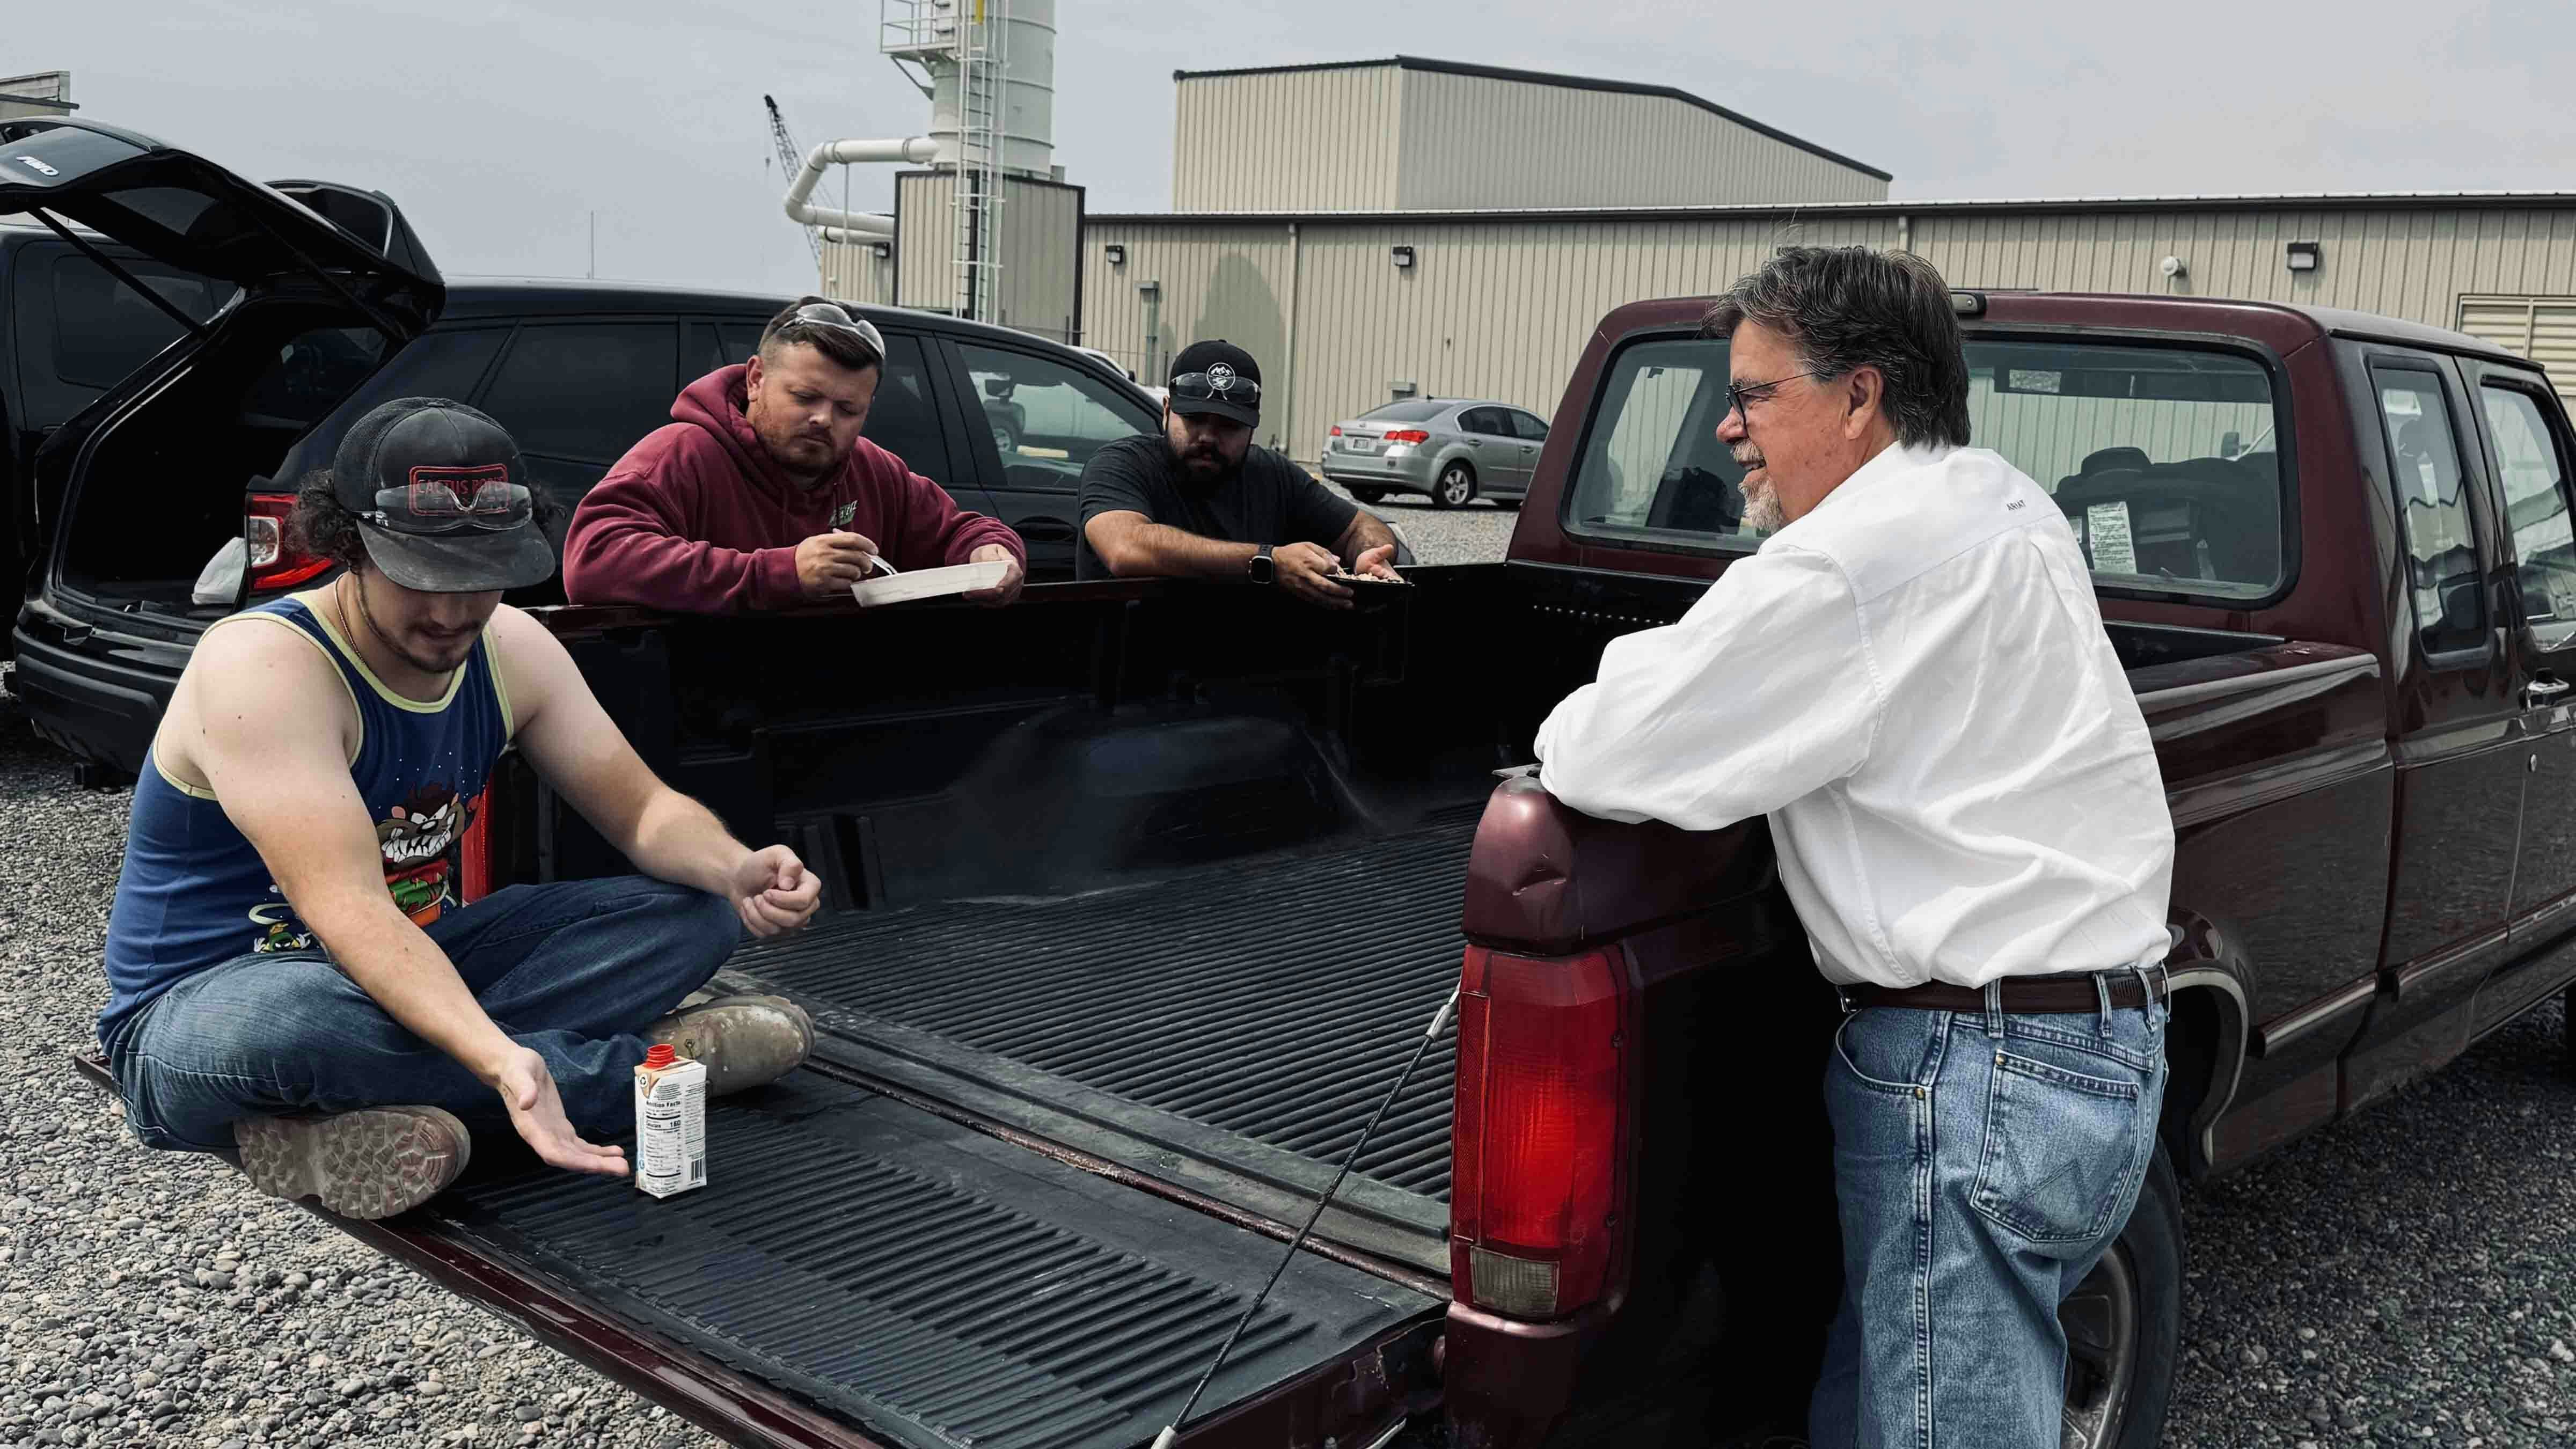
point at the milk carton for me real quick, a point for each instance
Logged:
(670, 1123)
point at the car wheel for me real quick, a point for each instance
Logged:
(1368, 495)
(2124, 1326)
(1456, 487)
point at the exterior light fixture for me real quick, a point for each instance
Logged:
(1403, 257)
(2305, 256)
(1116, 252)
(883, 250)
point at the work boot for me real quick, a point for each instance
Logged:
(745, 1041)
(366, 1164)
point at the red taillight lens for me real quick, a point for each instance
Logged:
(1408, 435)
(1542, 1091)
(1337, 430)
(275, 563)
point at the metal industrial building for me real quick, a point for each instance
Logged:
(1410, 226)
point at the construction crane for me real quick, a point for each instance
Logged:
(790, 159)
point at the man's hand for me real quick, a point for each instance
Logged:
(1009, 588)
(528, 1090)
(774, 892)
(1378, 563)
(828, 563)
(1306, 570)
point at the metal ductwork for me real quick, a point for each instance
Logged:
(850, 226)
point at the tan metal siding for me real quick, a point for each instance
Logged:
(925, 273)
(1478, 142)
(1322, 140)
(855, 273)
(2540, 328)
(1230, 281)
(1041, 227)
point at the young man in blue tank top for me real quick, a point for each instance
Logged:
(291, 971)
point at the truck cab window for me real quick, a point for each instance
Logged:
(1047, 419)
(1653, 466)
(2425, 476)
(2535, 505)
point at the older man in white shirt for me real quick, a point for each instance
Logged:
(1911, 680)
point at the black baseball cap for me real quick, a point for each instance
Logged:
(441, 498)
(1221, 368)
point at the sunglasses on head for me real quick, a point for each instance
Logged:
(442, 500)
(838, 319)
(1230, 387)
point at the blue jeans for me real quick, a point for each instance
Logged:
(571, 971)
(1983, 1163)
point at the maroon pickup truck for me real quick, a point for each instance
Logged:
(1140, 893)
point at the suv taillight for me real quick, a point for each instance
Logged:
(1539, 1131)
(1408, 435)
(275, 561)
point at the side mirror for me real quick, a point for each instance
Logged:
(2229, 442)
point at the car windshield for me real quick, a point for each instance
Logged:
(2163, 458)
(1405, 412)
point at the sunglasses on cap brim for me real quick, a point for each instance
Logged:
(1200, 387)
(439, 505)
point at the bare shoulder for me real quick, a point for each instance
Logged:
(532, 662)
(255, 678)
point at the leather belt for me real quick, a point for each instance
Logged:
(2025, 994)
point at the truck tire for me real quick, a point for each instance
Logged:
(1455, 487)
(2124, 1326)
(1368, 495)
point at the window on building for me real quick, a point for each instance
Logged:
(2424, 475)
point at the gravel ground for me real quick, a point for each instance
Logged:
(1477, 533)
(2401, 1278)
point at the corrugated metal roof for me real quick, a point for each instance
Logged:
(2232, 201)
(1549, 78)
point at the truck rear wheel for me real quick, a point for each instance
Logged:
(2124, 1326)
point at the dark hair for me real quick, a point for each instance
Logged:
(838, 344)
(1851, 307)
(321, 525)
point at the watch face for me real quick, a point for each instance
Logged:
(1261, 568)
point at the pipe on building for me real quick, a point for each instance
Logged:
(851, 226)
(1904, 233)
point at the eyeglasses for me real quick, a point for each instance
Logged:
(837, 318)
(1740, 400)
(1223, 386)
(442, 500)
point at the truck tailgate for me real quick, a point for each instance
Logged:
(925, 1284)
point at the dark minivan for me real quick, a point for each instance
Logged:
(307, 315)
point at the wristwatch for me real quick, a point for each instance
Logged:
(1259, 567)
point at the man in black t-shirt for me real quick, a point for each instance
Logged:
(1202, 501)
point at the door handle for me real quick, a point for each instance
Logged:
(2542, 690)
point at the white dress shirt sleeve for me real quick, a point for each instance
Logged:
(1764, 692)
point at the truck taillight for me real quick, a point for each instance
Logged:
(1408, 435)
(275, 562)
(1538, 1132)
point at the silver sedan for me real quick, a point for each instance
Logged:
(1455, 451)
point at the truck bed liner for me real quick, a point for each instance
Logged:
(1248, 1016)
(933, 1284)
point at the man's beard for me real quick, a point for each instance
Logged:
(1202, 467)
(800, 464)
(1762, 510)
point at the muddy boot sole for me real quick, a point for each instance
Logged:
(367, 1164)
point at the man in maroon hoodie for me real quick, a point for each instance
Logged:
(761, 494)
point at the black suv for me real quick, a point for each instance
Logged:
(204, 443)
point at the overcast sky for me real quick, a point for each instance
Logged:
(500, 128)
